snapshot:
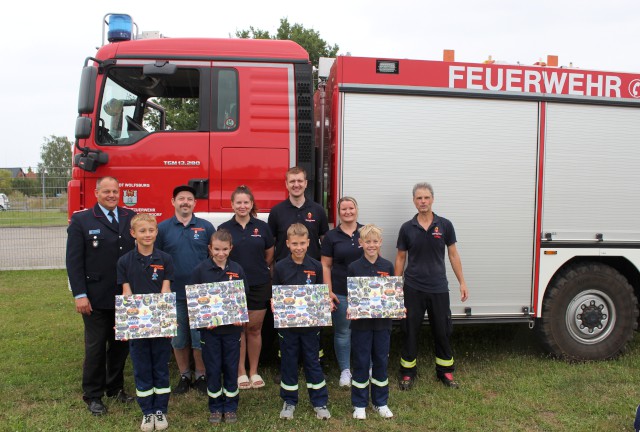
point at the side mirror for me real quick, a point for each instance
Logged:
(87, 95)
(83, 127)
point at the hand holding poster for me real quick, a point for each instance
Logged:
(376, 297)
(141, 316)
(301, 306)
(216, 304)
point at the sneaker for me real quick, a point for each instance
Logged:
(287, 411)
(359, 413)
(148, 423)
(161, 421)
(215, 417)
(406, 382)
(345, 378)
(230, 417)
(383, 411)
(447, 380)
(201, 385)
(322, 413)
(183, 386)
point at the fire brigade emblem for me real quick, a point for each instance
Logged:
(309, 215)
(130, 197)
(229, 123)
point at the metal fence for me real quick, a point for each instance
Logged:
(33, 218)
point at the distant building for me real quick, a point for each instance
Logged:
(15, 172)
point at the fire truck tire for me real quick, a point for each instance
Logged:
(589, 312)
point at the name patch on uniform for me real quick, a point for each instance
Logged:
(94, 231)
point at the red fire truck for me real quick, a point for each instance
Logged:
(535, 165)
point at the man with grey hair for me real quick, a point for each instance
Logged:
(424, 239)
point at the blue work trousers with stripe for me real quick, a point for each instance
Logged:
(292, 344)
(370, 347)
(221, 354)
(150, 358)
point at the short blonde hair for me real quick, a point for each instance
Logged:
(143, 217)
(297, 229)
(370, 230)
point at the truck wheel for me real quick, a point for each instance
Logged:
(589, 313)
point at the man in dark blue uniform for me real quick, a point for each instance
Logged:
(186, 238)
(97, 237)
(424, 238)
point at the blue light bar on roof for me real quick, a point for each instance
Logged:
(120, 28)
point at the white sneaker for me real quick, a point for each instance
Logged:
(384, 411)
(345, 378)
(359, 413)
(148, 423)
(287, 411)
(322, 413)
(161, 421)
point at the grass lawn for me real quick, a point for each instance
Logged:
(37, 218)
(507, 382)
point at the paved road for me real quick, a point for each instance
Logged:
(32, 248)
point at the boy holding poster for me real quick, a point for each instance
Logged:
(300, 269)
(146, 270)
(221, 344)
(370, 338)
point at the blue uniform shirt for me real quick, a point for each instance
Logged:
(249, 244)
(311, 215)
(363, 268)
(209, 272)
(187, 245)
(426, 248)
(343, 250)
(145, 274)
(288, 272)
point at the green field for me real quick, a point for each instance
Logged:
(507, 382)
(35, 218)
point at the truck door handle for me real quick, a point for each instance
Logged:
(201, 187)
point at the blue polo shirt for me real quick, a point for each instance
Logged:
(145, 274)
(188, 246)
(209, 272)
(343, 249)
(249, 244)
(311, 215)
(288, 272)
(425, 269)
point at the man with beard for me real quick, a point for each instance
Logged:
(186, 238)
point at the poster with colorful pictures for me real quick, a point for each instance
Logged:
(216, 304)
(141, 316)
(376, 297)
(301, 306)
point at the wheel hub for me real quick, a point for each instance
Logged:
(590, 317)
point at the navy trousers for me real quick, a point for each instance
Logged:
(150, 358)
(292, 344)
(370, 347)
(221, 355)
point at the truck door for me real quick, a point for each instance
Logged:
(155, 130)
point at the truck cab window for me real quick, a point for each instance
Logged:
(134, 105)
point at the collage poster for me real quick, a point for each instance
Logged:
(216, 304)
(301, 306)
(376, 297)
(141, 316)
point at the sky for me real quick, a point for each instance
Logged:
(45, 44)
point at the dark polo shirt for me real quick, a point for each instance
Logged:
(426, 270)
(311, 215)
(145, 274)
(249, 244)
(343, 249)
(363, 268)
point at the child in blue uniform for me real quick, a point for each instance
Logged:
(146, 270)
(370, 338)
(221, 345)
(300, 269)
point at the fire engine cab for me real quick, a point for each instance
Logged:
(536, 166)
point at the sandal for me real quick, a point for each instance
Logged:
(257, 381)
(244, 383)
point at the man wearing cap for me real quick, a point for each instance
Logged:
(97, 237)
(186, 238)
